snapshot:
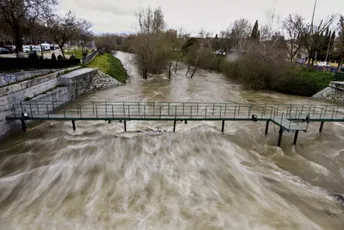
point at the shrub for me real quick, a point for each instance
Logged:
(261, 70)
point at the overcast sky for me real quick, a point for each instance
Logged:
(117, 16)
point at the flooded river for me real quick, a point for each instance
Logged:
(99, 177)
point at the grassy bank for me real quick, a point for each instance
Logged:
(76, 52)
(283, 77)
(110, 65)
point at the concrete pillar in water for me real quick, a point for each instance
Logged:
(73, 122)
(23, 125)
(267, 128)
(321, 126)
(280, 137)
(295, 137)
(223, 126)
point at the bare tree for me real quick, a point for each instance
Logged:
(292, 27)
(149, 47)
(85, 34)
(240, 33)
(63, 29)
(151, 21)
(339, 43)
(107, 42)
(21, 15)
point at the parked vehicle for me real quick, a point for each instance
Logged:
(54, 47)
(27, 49)
(322, 64)
(11, 48)
(4, 51)
(45, 46)
(37, 48)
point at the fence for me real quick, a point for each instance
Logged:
(12, 64)
(86, 60)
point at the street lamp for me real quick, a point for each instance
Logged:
(25, 115)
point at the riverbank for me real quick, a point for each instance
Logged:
(271, 75)
(111, 66)
(99, 177)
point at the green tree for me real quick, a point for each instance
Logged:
(255, 32)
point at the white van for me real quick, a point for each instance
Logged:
(27, 49)
(45, 46)
(37, 49)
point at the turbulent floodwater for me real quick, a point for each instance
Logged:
(197, 178)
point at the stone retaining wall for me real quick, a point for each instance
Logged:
(48, 88)
(334, 93)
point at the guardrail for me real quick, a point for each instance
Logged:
(287, 117)
(86, 60)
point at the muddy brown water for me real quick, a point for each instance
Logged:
(99, 177)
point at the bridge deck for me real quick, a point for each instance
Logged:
(289, 117)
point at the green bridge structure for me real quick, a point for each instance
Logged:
(289, 118)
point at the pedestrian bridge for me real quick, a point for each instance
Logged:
(290, 118)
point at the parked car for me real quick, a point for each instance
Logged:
(11, 48)
(45, 46)
(27, 49)
(4, 51)
(322, 64)
(37, 48)
(54, 47)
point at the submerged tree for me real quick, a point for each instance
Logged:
(150, 47)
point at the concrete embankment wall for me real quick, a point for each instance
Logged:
(51, 87)
(334, 92)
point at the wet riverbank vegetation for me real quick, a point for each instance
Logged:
(256, 56)
(110, 65)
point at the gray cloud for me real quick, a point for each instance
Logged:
(215, 15)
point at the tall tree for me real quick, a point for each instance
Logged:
(292, 28)
(148, 46)
(21, 15)
(255, 32)
(84, 32)
(240, 32)
(63, 29)
(339, 43)
(312, 39)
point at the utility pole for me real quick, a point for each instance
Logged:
(273, 16)
(315, 6)
(311, 32)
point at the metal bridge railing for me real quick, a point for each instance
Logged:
(148, 109)
(288, 116)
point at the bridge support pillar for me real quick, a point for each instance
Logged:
(295, 137)
(125, 125)
(73, 123)
(321, 126)
(280, 137)
(186, 121)
(23, 125)
(174, 126)
(267, 128)
(223, 126)
(109, 121)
